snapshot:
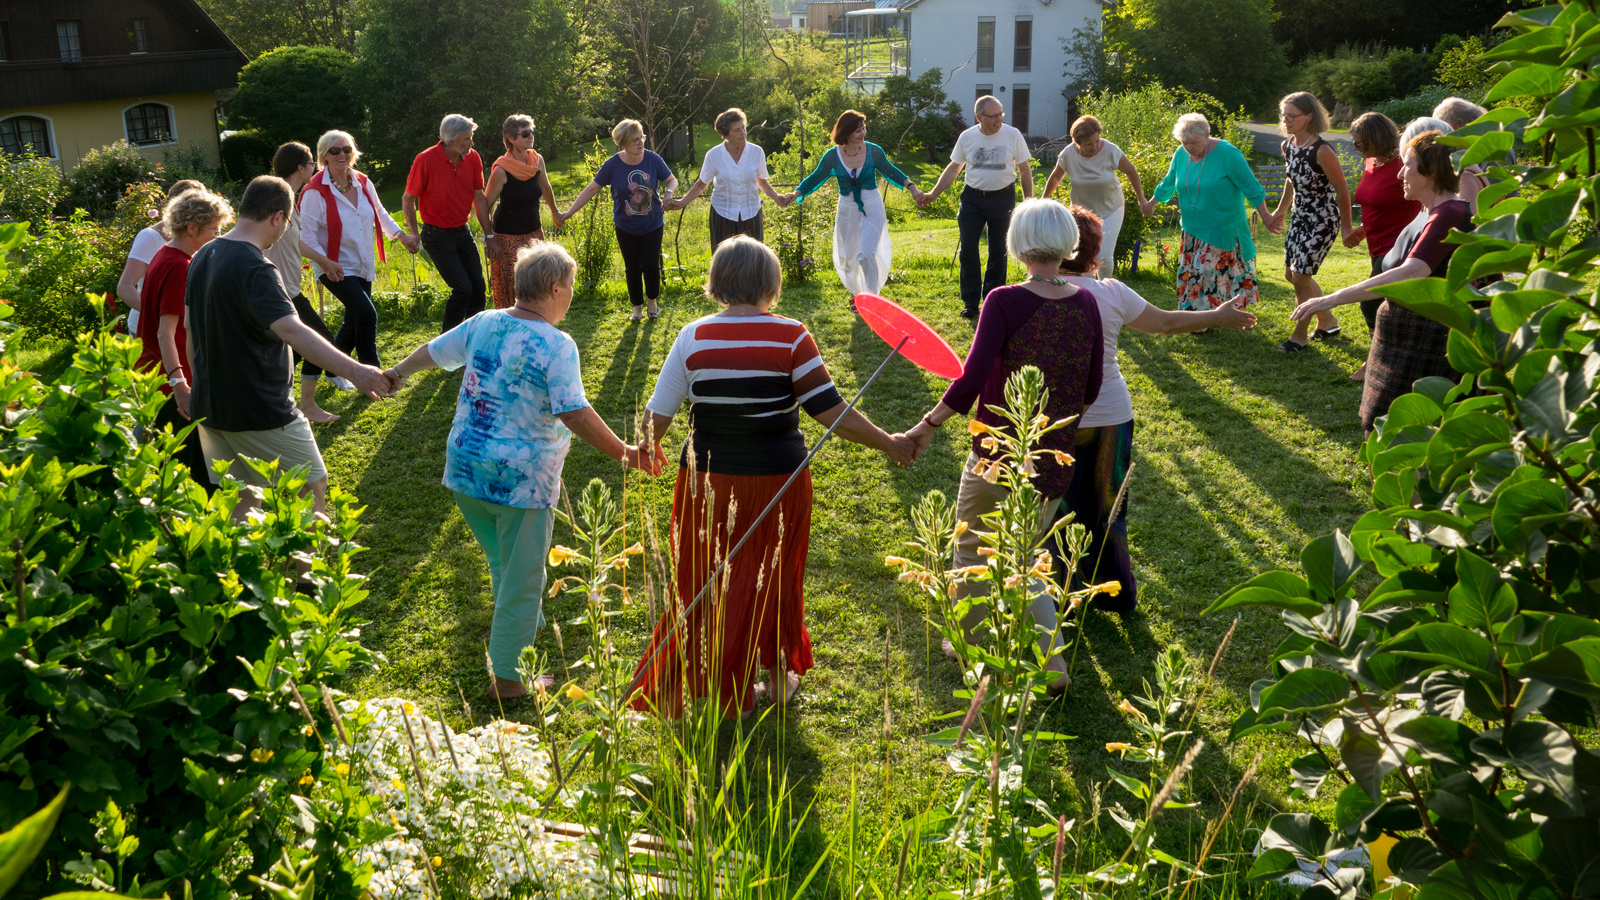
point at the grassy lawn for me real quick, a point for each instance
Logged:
(1241, 456)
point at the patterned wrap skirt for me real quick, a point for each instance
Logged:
(1406, 347)
(503, 265)
(754, 616)
(1102, 457)
(1210, 276)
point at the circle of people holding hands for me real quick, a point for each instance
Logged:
(223, 317)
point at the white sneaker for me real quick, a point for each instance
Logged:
(342, 383)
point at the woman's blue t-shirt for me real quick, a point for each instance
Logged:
(635, 191)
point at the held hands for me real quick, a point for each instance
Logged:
(1274, 223)
(180, 393)
(330, 269)
(1355, 236)
(901, 449)
(783, 200)
(491, 243)
(374, 382)
(1313, 306)
(411, 242)
(647, 458)
(921, 435)
(1147, 207)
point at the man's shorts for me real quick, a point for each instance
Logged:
(292, 445)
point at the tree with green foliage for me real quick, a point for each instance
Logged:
(917, 110)
(658, 72)
(1224, 48)
(258, 26)
(485, 59)
(1317, 26)
(295, 94)
(1443, 656)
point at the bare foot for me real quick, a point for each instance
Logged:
(508, 689)
(316, 415)
(790, 682)
(1360, 374)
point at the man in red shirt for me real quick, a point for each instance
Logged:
(446, 181)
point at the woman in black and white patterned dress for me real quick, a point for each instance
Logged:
(1316, 188)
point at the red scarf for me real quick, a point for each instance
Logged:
(319, 183)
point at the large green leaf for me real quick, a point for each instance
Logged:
(1510, 309)
(1546, 46)
(1462, 441)
(1330, 561)
(1302, 834)
(1481, 599)
(1431, 297)
(1412, 859)
(1438, 738)
(1277, 590)
(1368, 760)
(1574, 667)
(20, 845)
(1529, 81)
(1304, 690)
(1548, 217)
(1448, 644)
(1493, 145)
(1530, 507)
(1543, 752)
(1274, 863)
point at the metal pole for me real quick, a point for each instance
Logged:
(771, 505)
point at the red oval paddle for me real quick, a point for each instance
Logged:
(923, 346)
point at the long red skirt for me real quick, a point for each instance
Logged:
(754, 615)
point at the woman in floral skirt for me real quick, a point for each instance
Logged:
(1211, 181)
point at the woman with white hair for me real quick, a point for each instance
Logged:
(339, 209)
(1213, 183)
(640, 182)
(514, 423)
(1046, 322)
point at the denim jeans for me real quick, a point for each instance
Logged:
(978, 209)
(358, 334)
(455, 255)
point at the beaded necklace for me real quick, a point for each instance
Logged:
(1056, 281)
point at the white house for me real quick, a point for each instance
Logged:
(1009, 48)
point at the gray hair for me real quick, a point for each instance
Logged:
(1458, 111)
(744, 270)
(327, 140)
(540, 268)
(977, 107)
(1042, 231)
(1423, 124)
(1191, 125)
(454, 126)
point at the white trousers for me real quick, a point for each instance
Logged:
(1112, 226)
(861, 251)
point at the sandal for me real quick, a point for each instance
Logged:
(1326, 334)
(638, 313)
(1289, 346)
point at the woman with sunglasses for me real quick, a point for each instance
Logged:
(517, 180)
(339, 208)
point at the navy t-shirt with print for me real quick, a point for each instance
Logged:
(635, 191)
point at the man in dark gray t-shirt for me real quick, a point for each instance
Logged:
(241, 326)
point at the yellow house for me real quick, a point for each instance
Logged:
(80, 74)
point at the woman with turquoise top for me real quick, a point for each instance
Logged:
(1212, 183)
(860, 228)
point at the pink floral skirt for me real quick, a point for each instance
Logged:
(1209, 276)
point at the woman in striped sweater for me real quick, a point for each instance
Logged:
(745, 374)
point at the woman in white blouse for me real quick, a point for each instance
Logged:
(341, 219)
(739, 169)
(1090, 164)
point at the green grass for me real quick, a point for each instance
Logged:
(1241, 454)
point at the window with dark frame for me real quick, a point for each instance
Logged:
(986, 44)
(148, 123)
(68, 41)
(1022, 48)
(25, 134)
(138, 35)
(984, 90)
(1019, 107)
(5, 42)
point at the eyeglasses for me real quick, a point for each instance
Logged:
(1285, 117)
(340, 151)
(990, 115)
(526, 132)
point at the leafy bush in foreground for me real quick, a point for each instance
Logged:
(150, 646)
(1451, 700)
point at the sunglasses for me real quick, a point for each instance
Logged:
(526, 132)
(340, 151)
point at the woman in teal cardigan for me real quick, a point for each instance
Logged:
(861, 248)
(1212, 183)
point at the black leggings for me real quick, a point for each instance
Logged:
(641, 259)
(312, 320)
(359, 331)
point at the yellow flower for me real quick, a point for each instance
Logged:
(635, 550)
(259, 755)
(987, 551)
(974, 427)
(1118, 746)
(894, 562)
(1111, 588)
(970, 571)
(1013, 581)
(560, 554)
(409, 707)
(437, 861)
(992, 474)
(397, 784)
(305, 778)
(1027, 468)
(989, 443)
(342, 770)
(961, 527)
(575, 693)
(1064, 459)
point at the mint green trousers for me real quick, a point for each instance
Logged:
(517, 542)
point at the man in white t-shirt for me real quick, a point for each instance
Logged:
(996, 157)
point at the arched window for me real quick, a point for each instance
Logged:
(148, 123)
(26, 134)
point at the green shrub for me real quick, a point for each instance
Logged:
(1354, 78)
(295, 94)
(245, 154)
(103, 176)
(153, 647)
(1444, 655)
(802, 233)
(66, 267)
(30, 187)
(1462, 68)
(189, 162)
(1414, 105)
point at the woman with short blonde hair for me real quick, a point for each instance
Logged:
(1090, 165)
(146, 244)
(1314, 186)
(1212, 182)
(513, 426)
(641, 183)
(739, 170)
(518, 181)
(746, 375)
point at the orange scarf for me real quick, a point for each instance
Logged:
(518, 169)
